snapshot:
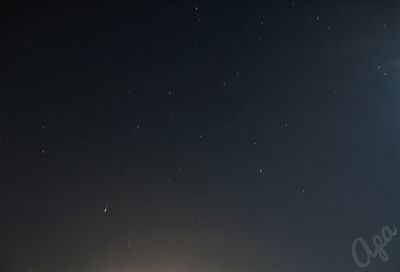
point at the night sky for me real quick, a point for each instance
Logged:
(198, 136)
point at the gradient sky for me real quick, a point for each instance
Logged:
(191, 136)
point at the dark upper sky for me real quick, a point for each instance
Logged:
(192, 136)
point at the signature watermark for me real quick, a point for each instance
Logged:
(362, 253)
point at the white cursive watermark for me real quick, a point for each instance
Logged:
(379, 241)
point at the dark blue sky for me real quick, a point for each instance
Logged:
(198, 136)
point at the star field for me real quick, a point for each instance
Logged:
(199, 136)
